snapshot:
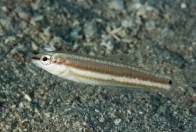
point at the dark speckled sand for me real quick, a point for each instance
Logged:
(160, 35)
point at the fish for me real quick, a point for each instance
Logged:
(99, 71)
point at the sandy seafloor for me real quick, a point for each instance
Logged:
(158, 35)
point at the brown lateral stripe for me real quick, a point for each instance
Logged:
(35, 58)
(146, 78)
(58, 63)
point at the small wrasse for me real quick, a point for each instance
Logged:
(99, 71)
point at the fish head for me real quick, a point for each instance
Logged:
(51, 62)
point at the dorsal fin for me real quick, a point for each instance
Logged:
(131, 60)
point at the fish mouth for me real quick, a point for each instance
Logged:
(35, 58)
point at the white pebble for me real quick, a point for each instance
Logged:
(117, 121)
(4, 8)
(116, 4)
(89, 30)
(127, 23)
(183, 5)
(27, 97)
(24, 15)
(150, 25)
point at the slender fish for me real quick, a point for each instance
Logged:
(99, 71)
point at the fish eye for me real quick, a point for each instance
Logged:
(45, 59)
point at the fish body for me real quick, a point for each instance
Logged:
(99, 71)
